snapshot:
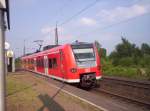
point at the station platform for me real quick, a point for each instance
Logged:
(46, 94)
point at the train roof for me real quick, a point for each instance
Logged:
(44, 51)
(57, 47)
(50, 47)
(81, 45)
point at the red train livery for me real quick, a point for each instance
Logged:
(71, 63)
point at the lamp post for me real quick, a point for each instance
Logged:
(4, 8)
(2, 62)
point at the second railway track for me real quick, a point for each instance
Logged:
(133, 90)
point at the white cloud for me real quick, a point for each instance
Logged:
(122, 13)
(87, 21)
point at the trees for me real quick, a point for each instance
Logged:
(128, 60)
(126, 49)
(128, 54)
(102, 51)
(145, 48)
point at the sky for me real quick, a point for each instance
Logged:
(105, 21)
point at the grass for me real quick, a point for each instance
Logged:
(20, 95)
(13, 85)
(128, 72)
(134, 72)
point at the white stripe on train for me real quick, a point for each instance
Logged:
(62, 79)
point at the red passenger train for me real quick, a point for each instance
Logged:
(71, 63)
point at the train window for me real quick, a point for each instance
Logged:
(54, 63)
(28, 61)
(32, 61)
(50, 63)
(42, 63)
(37, 63)
(24, 61)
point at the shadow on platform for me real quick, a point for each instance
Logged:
(49, 104)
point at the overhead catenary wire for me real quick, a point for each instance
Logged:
(82, 10)
(78, 13)
(112, 25)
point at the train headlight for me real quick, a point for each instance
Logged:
(73, 70)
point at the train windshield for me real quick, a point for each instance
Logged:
(84, 55)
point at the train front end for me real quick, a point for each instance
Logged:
(87, 63)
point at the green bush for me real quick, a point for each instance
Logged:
(128, 61)
(121, 71)
(148, 73)
(145, 61)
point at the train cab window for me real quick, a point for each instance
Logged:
(50, 63)
(54, 63)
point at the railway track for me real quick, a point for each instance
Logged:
(134, 90)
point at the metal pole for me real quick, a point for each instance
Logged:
(24, 49)
(56, 35)
(2, 62)
(6, 61)
(13, 64)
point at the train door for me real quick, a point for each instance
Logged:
(54, 64)
(62, 65)
(46, 65)
(40, 64)
(35, 65)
